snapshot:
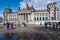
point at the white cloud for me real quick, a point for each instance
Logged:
(22, 5)
(38, 4)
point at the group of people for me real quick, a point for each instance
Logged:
(9, 25)
(53, 24)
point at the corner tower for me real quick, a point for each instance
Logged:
(6, 12)
(53, 10)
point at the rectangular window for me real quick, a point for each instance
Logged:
(34, 14)
(40, 14)
(46, 14)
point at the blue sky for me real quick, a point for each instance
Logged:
(14, 4)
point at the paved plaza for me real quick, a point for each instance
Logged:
(49, 33)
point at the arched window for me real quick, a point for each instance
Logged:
(43, 18)
(46, 18)
(21, 13)
(18, 14)
(40, 18)
(35, 18)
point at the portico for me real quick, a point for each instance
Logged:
(24, 17)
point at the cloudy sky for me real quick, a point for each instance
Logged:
(38, 4)
(14, 4)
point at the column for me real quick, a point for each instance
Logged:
(25, 16)
(56, 15)
(29, 17)
(21, 17)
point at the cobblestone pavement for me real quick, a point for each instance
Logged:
(50, 34)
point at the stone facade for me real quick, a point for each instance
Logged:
(31, 16)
